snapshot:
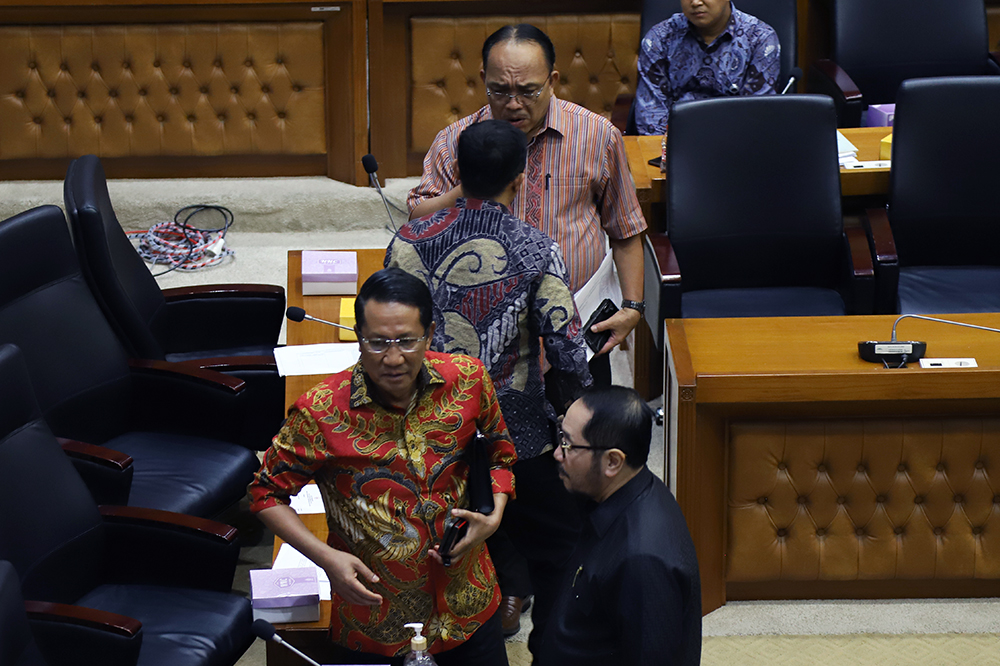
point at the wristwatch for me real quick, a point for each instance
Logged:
(635, 305)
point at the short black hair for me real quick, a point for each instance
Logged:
(394, 285)
(620, 419)
(522, 32)
(491, 154)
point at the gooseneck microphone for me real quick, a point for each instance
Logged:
(265, 630)
(371, 166)
(893, 351)
(794, 77)
(298, 314)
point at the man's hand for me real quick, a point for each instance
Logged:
(620, 324)
(346, 574)
(481, 527)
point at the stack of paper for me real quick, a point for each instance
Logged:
(847, 152)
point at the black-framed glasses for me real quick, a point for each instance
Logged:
(381, 345)
(523, 97)
(567, 447)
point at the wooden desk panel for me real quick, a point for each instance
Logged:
(722, 370)
(650, 181)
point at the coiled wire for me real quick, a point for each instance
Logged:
(182, 246)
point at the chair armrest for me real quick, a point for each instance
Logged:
(620, 111)
(68, 634)
(221, 317)
(883, 246)
(229, 364)
(670, 278)
(107, 473)
(826, 77)
(224, 291)
(165, 548)
(876, 224)
(861, 255)
(859, 290)
(212, 404)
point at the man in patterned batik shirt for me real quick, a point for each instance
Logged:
(710, 49)
(384, 442)
(500, 285)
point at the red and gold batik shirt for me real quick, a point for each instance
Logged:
(389, 478)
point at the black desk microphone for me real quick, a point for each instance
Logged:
(896, 352)
(298, 314)
(371, 166)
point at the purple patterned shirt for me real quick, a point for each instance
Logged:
(675, 65)
(499, 285)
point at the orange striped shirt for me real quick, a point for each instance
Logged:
(577, 185)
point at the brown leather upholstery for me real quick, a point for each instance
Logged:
(168, 89)
(596, 55)
(864, 500)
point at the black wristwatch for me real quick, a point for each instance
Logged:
(635, 305)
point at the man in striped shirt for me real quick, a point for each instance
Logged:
(577, 187)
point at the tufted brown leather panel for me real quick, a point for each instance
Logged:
(864, 499)
(596, 55)
(169, 89)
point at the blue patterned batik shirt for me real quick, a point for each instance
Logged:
(498, 286)
(675, 65)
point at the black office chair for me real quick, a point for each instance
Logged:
(231, 328)
(753, 217)
(148, 587)
(782, 15)
(875, 46)
(937, 244)
(178, 424)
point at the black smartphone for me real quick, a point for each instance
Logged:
(454, 530)
(597, 340)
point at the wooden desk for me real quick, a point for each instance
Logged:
(649, 181)
(727, 373)
(312, 637)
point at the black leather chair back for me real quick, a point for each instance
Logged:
(17, 646)
(81, 372)
(754, 192)
(54, 536)
(782, 15)
(944, 205)
(121, 282)
(881, 43)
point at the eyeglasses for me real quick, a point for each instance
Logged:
(566, 446)
(381, 345)
(523, 97)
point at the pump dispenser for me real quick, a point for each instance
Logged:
(418, 647)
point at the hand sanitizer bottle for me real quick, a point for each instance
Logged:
(419, 656)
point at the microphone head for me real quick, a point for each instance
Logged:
(295, 314)
(369, 163)
(263, 629)
(796, 74)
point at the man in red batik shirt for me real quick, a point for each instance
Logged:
(384, 441)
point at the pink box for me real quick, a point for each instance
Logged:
(285, 595)
(881, 115)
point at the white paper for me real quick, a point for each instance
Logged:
(308, 500)
(844, 147)
(289, 558)
(603, 284)
(322, 359)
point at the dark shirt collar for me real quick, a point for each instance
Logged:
(606, 513)
(469, 203)
(363, 392)
(727, 34)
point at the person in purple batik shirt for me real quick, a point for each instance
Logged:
(711, 49)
